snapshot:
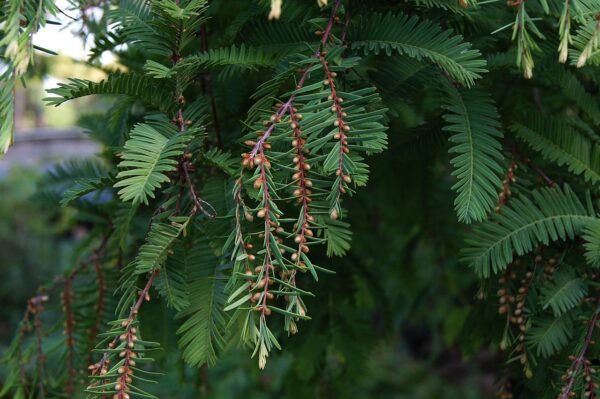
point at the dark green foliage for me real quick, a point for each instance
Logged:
(561, 143)
(353, 142)
(421, 40)
(473, 120)
(551, 215)
(148, 156)
(204, 333)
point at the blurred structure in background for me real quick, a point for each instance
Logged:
(40, 147)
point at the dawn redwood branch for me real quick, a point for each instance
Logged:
(100, 367)
(284, 108)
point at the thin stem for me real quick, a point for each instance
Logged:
(199, 203)
(100, 367)
(331, 21)
(536, 169)
(208, 89)
(342, 129)
(281, 111)
(580, 359)
(268, 259)
(67, 298)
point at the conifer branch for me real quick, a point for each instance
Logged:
(342, 176)
(284, 107)
(302, 228)
(311, 151)
(581, 359)
(304, 184)
(101, 367)
(269, 213)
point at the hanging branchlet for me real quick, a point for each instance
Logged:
(270, 213)
(275, 269)
(314, 121)
(342, 173)
(125, 349)
(19, 357)
(32, 322)
(302, 228)
(581, 366)
(262, 277)
(303, 190)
